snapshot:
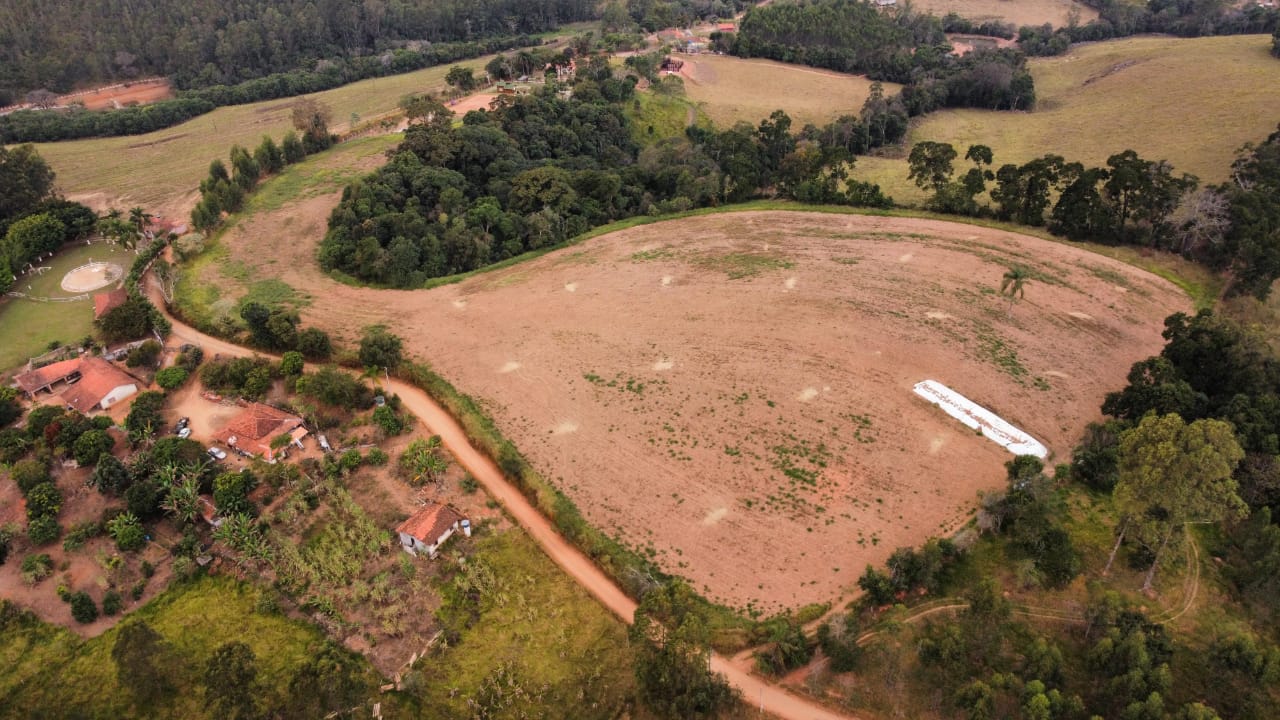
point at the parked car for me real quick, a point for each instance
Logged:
(182, 425)
(217, 453)
(184, 433)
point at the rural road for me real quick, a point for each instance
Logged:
(756, 692)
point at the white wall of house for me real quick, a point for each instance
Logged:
(414, 546)
(118, 394)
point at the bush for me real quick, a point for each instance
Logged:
(376, 457)
(6, 543)
(43, 530)
(143, 355)
(127, 531)
(80, 534)
(13, 445)
(90, 446)
(83, 608)
(30, 473)
(36, 568)
(44, 500)
(171, 377)
(387, 419)
(379, 348)
(112, 603)
(291, 363)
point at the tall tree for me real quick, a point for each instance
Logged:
(26, 178)
(1171, 474)
(673, 655)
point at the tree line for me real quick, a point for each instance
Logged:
(72, 123)
(1117, 18)
(855, 36)
(537, 170)
(33, 220)
(1232, 227)
(60, 44)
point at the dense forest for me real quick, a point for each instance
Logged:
(854, 36)
(60, 44)
(1233, 227)
(540, 169)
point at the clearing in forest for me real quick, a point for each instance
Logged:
(732, 393)
(1024, 12)
(730, 89)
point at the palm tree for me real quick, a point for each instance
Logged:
(140, 217)
(183, 499)
(1014, 285)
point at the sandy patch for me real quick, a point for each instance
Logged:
(790, 284)
(666, 279)
(1080, 315)
(905, 257)
(571, 287)
(807, 394)
(511, 366)
(937, 315)
(564, 428)
(715, 516)
(460, 304)
(1057, 374)
(663, 365)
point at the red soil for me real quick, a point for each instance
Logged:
(759, 432)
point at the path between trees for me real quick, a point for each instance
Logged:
(756, 691)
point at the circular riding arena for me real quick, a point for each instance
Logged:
(92, 276)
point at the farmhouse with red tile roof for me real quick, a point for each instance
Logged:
(256, 426)
(92, 383)
(429, 528)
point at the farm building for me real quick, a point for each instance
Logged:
(429, 528)
(671, 65)
(253, 430)
(105, 302)
(92, 383)
(726, 27)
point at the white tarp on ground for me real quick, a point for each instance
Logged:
(979, 418)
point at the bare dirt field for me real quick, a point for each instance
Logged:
(117, 96)
(734, 391)
(1023, 12)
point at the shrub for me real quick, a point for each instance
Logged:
(13, 445)
(379, 348)
(387, 419)
(80, 534)
(112, 603)
(36, 568)
(30, 473)
(44, 500)
(291, 363)
(43, 530)
(127, 531)
(144, 355)
(171, 377)
(90, 445)
(6, 543)
(83, 608)
(468, 484)
(376, 457)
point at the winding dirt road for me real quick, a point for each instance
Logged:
(756, 692)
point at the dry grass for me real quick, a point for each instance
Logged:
(1022, 12)
(730, 89)
(161, 170)
(1191, 102)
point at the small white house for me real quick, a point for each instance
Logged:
(427, 530)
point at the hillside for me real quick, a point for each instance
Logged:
(1192, 102)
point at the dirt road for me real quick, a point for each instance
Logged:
(756, 691)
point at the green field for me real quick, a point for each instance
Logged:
(27, 327)
(161, 170)
(50, 672)
(1023, 12)
(1192, 102)
(729, 89)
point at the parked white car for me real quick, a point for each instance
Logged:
(217, 453)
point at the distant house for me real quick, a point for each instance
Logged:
(92, 383)
(104, 303)
(671, 65)
(429, 528)
(886, 3)
(252, 431)
(727, 27)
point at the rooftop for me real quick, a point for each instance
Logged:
(105, 302)
(429, 523)
(98, 379)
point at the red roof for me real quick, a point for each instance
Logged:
(429, 523)
(41, 378)
(98, 379)
(726, 27)
(256, 426)
(104, 303)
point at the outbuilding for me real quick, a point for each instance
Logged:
(428, 529)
